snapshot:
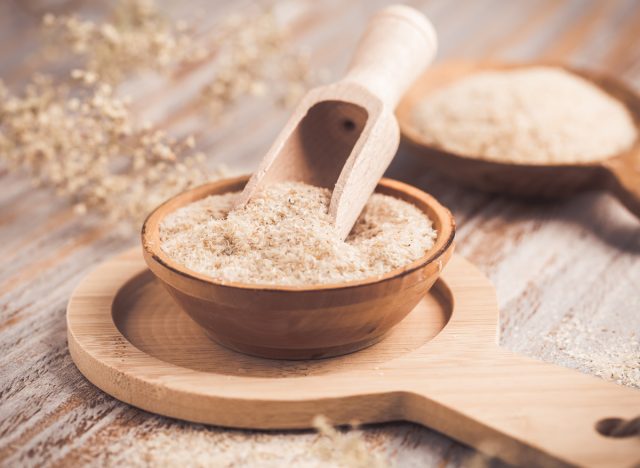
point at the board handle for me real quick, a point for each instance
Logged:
(530, 413)
(397, 46)
(624, 179)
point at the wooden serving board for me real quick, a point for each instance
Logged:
(440, 367)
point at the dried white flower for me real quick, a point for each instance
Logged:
(85, 145)
(135, 38)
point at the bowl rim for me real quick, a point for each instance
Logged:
(624, 94)
(150, 228)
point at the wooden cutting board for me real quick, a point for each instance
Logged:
(440, 367)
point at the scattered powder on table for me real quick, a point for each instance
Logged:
(284, 236)
(611, 353)
(538, 115)
(163, 443)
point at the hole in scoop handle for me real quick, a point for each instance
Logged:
(397, 46)
(624, 180)
(527, 412)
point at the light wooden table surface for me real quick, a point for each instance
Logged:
(567, 272)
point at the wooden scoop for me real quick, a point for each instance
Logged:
(619, 174)
(343, 136)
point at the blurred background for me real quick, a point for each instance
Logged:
(199, 89)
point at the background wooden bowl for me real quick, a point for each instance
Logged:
(619, 174)
(300, 322)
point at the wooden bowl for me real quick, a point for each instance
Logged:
(619, 174)
(299, 322)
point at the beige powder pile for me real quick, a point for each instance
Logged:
(283, 236)
(538, 115)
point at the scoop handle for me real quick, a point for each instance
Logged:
(528, 412)
(397, 46)
(624, 179)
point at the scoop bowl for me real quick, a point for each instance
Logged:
(299, 322)
(618, 174)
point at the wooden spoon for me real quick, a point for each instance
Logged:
(344, 135)
(619, 174)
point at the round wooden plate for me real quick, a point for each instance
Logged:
(440, 367)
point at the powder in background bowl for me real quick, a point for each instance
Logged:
(536, 115)
(284, 236)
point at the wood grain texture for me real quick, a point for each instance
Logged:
(566, 272)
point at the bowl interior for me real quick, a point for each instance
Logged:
(440, 216)
(449, 72)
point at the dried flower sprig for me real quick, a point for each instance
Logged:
(82, 139)
(254, 56)
(251, 51)
(136, 38)
(344, 448)
(85, 145)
